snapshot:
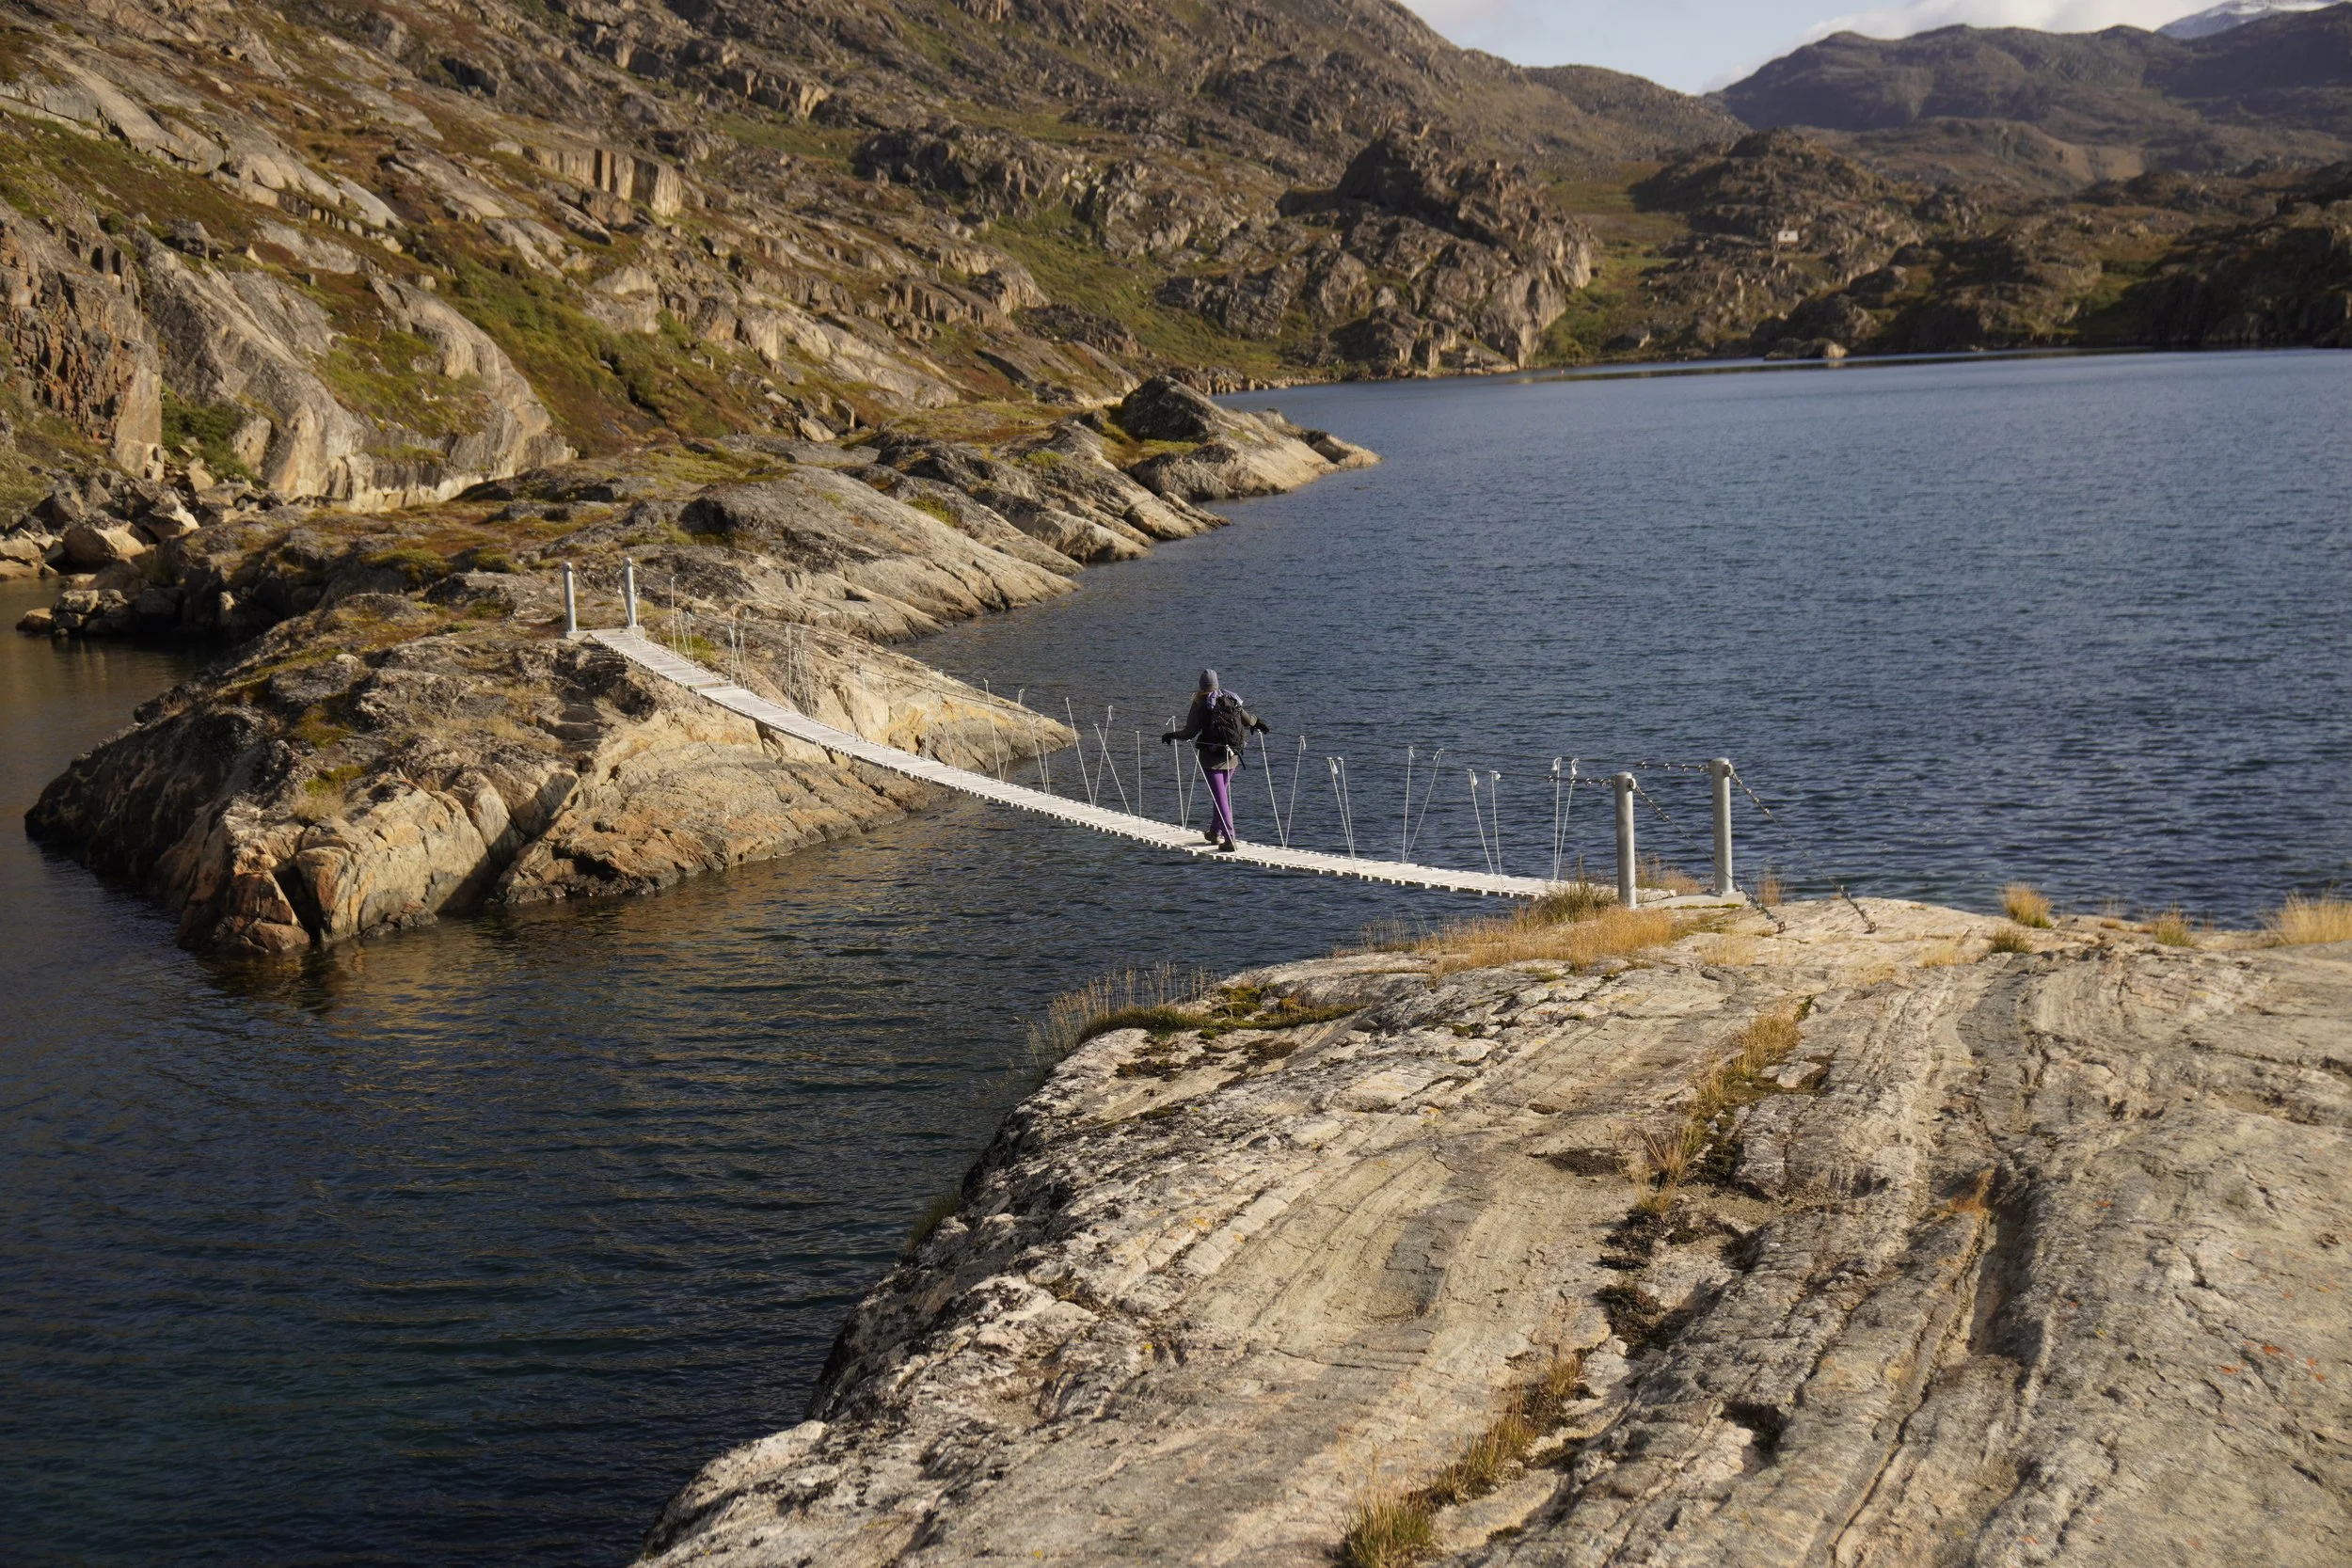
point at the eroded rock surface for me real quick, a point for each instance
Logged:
(2017, 1258)
(402, 732)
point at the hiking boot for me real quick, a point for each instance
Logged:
(1225, 846)
(1209, 837)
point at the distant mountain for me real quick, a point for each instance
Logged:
(2053, 111)
(2234, 13)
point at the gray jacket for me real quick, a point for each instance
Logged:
(1213, 758)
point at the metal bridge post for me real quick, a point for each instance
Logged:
(628, 589)
(1627, 893)
(571, 603)
(1719, 770)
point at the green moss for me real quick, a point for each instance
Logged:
(2110, 315)
(1062, 255)
(334, 781)
(606, 392)
(397, 379)
(208, 427)
(801, 140)
(318, 732)
(414, 562)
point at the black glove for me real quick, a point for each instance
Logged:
(1262, 727)
(1166, 737)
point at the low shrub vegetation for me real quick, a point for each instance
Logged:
(1562, 931)
(2023, 904)
(1393, 1528)
(2172, 929)
(2306, 921)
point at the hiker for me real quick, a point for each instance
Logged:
(1218, 728)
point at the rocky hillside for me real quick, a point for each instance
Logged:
(1848, 1233)
(2056, 111)
(400, 730)
(375, 253)
(1787, 248)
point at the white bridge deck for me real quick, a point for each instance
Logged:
(642, 651)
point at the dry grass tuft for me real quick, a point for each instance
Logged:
(1578, 900)
(1768, 891)
(1615, 932)
(2172, 929)
(1146, 999)
(2305, 921)
(1392, 1529)
(1388, 1529)
(1667, 1153)
(1768, 1041)
(2022, 903)
(2011, 939)
(1702, 1138)
(1732, 950)
(1484, 1463)
(1655, 872)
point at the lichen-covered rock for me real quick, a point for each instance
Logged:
(1231, 454)
(2028, 1258)
(405, 734)
(75, 335)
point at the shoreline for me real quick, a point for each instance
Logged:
(1380, 1247)
(403, 730)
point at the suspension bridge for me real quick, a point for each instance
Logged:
(632, 644)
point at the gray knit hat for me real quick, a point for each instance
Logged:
(1208, 680)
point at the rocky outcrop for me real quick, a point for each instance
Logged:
(2286, 279)
(1231, 454)
(2005, 1255)
(1474, 262)
(404, 735)
(74, 338)
(244, 338)
(303, 793)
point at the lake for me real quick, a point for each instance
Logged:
(469, 1244)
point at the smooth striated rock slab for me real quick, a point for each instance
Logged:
(2023, 1257)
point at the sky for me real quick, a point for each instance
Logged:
(1700, 44)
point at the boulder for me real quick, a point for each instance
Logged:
(92, 612)
(1237, 455)
(1166, 409)
(92, 546)
(36, 623)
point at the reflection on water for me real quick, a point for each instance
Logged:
(471, 1244)
(2074, 620)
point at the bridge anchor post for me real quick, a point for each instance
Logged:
(1719, 770)
(571, 603)
(628, 589)
(1628, 892)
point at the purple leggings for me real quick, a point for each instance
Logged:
(1221, 801)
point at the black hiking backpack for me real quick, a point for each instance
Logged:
(1227, 725)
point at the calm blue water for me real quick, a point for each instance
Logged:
(469, 1244)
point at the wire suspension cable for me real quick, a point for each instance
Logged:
(1298, 766)
(1483, 853)
(1405, 833)
(1265, 760)
(1338, 794)
(1084, 777)
(1109, 766)
(1494, 809)
(1427, 790)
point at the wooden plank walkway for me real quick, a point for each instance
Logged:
(642, 651)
